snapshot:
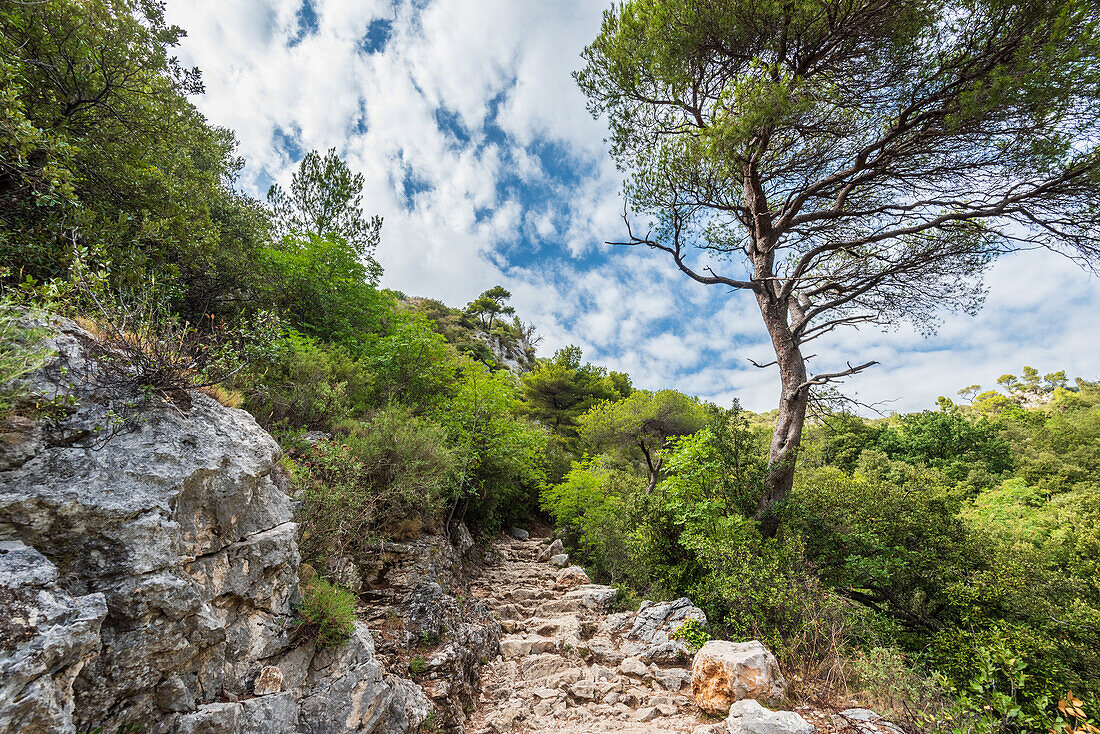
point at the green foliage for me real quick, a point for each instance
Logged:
(691, 632)
(639, 426)
(560, 390)
(412, 363)
(305, 384)
(889, 536)
(947, 441)
(490, 307)
(504, 454)
(418, 665)
(111, 157)
(326, 613)
(324, 290)
(21, 352)
(325, 201)
(594, 504)
(374, 476)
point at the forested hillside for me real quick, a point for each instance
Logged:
(942, 565)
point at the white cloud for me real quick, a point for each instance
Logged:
(456, 231)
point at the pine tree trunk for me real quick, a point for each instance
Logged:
(792, 413)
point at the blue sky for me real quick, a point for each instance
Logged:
(478, 151)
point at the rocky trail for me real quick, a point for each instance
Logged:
(569, 665)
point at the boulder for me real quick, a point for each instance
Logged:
(47, 636)
(749, 717)
(725, 672)
(551, 550)
(561, 560)
(157, 568)
(519, 533)
(571, 577)
(647, 631)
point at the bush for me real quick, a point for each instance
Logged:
(372, 480)
(594, 505)
(503, 455)
(20, 353)
(692, 633)
(326, 613)
(304, 384)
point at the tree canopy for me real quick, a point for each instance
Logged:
(325, 199)
(639, 426)
(850, 162)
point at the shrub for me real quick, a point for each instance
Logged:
(20, 353)
(326, 613)
(304, 384)
(692, 633)
(141, 347)
(373, 480)
(503, 455)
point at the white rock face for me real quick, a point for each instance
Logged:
(725, 672)
(749, 717)
(561, 560)
(647, 630)
(175, 545)
(46, 639)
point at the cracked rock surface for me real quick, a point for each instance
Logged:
(151, 577)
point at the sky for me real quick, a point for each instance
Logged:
(479, 153)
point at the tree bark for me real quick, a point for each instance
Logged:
(793, 401)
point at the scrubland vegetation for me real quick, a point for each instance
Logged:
(942, 564)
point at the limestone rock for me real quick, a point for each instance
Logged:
(725, 672)
(270, 680)
(673, 679)
(650, 627)
(346, 690)
(551, 550)
(561, 560)
(865, 721)
(461, 538)
(519, 533)
(570, 577)
(749, 717)
(46, 638)
(175, 547)
(709, 729)
(635, 667)
(595, 597)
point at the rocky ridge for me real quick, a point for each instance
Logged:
(150, 579)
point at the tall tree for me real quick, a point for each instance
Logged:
(851, 161)
(559, 390)
(326, 199)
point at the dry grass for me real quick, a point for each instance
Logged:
(228, 398)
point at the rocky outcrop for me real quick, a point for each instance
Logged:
(428, 625)
(161, 572)
(726, 672)
(749, 717)
(46, 638)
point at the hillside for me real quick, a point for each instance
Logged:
(246, 489)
